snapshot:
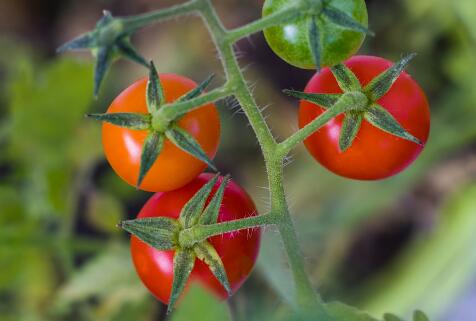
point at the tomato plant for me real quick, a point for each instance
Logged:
(174, 167)
(238, 250)
(291, 42)
(374, 154)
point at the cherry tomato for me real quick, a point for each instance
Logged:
(374, 153)
(173, 168)
(290, 41)
(238, 250)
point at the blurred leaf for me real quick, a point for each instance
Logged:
(104, 212)
(417, 280)
(197, 302)
(340, 311)
(108, 273)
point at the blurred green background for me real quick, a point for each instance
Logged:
(390, 246)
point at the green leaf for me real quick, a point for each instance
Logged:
(184, 260)
(211, 212)
(133, 121)
(153, 145)
(345, 78)
(188, 144)
(420, 316)
(323, 100)
(103, 62)
(382, 119)
(199, 302)
(197, 91)
(191, 211)
(158, 232)
(349, 130)
(315, 42)
(128, 51)
(381, 84)
(84, 41)
(104, 211)
(342, 312)
(342, 19)
(207, 253)
(155, 92)
(391, 317)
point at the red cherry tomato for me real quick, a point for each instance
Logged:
(374, 153)
(173, 168)
(238, 250)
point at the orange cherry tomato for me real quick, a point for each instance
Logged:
(173, 168)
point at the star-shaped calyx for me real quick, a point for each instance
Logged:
(323, 9)
(357, 103)
(164, 233)
(159, 128)
(107, 41)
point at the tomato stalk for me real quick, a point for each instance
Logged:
(307, 299)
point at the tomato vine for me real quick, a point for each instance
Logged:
(111, 38)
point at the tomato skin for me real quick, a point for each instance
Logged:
(374, 154)
(173, 168)
(290, 41)
(238, 250)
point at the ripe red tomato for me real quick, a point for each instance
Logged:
(238, 250)
(173, 168)
(374, 153)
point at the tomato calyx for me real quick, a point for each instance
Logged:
(108, 41)
(357, 103)
(159, 128)
(322, 9)
(165, 233)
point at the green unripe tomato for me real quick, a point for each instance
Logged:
(290, 41)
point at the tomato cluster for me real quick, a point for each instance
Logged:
(148, 148)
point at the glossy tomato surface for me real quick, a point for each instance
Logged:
(238, 250)
(374, 153)
(173, 168)
(290, 41)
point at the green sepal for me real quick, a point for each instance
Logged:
(323, 100)
(346, 78)
(315, 42)
(154, 92)
(135, 121)
(382, 119)
(158, 232)
(188, 144)
(391, 317)
(184, 261)
(207, 253)
(126, 50)
(84, 41)
(107, 41)
(191, 211)
(211, 212)
(197, 91)
(349, 130)
(151, 149)
(381, 84)
(104, 58)
(420, 316)
(343, 20)
(351, 101)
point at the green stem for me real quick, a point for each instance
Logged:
(134, 23)
(348, 101)
(200, 233)
(290, 13)
(174, 111)
(307, 299)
